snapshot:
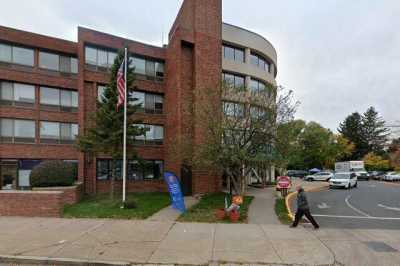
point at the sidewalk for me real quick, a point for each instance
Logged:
(169, 214)
(262, 208)
(84, 241)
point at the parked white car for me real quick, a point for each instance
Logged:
(320, 176)
(345, 180)
(392, 176)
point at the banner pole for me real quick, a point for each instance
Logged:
(125, 113)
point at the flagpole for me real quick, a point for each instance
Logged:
(125, 112)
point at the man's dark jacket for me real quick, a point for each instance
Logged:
(302, 203)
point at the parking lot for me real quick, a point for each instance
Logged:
(373, 205)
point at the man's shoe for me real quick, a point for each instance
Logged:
(316, 228)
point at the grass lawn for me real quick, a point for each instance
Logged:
(281, 211)
(102, 207)
(204, 211)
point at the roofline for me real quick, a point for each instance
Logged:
(252, 32)
(116, 36)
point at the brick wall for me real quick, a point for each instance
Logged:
(31, 203)
(70, 195)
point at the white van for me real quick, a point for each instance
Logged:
(344, 179)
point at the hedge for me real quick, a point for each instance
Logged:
(52, 174)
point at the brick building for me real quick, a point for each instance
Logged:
(49, 88)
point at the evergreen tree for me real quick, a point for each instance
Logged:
(352, 129)
(106, 135)
(374, 131)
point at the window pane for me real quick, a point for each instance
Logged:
(102, 58)
(254, 85)
(24, 93)
(49, 61)
(74, 131)
(5, 53)
(149, 102)
(229, 53)
(140, 137)
(139, 64)
(229, 79)
(158, 133)
(49, 130)
(239, 55)
(158, 103)
(24, 129)
(228, 108)
(66, 98)
(239, 82)
(49, 96)
(261, 86)
(135, 171)
(159, 69)
(138, 98)
(74, 65)
(149, 132)
(150, 68)
(6, 91)
(148, 168)
(118, 170)
(90, 56)
(65, 131)
(158, 169)
(23, 56)
(65, 64)
(74, 99)
(254, 59)
(100, 93)
(6, 129)
(111, 58)
(102, 169)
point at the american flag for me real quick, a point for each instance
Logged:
(121, 85)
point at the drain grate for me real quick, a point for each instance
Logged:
(380, 246)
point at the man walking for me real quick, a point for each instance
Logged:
(303, 209)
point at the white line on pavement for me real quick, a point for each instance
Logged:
(356, 217)
(389, 208)
(354, 208)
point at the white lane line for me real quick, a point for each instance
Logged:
(356, 217)
(389, 208)
(354, 208)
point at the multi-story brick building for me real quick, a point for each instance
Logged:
(50, 87)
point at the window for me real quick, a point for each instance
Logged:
(150, 69)
(259, 62)
(233, 53)
(22, 56)
(149, 103)
(99, 59)
(58, 99)
(17, 131)
(104, 169)
(136, 170)
(154, 135)
(257, 86)
(17, 94)
(233, 109)
(59, 133)
(100, 92)
(234, 81)
(16, 55)
(51, 61)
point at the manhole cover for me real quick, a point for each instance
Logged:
(380, 246)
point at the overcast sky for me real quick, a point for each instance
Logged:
(339, 56)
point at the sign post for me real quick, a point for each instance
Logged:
(175, 192)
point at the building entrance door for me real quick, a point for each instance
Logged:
(8, 174)
(186, 180)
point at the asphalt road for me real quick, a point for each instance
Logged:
(373, 205)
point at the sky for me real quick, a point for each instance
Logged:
(338, 56)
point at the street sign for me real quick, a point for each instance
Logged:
(283, 182)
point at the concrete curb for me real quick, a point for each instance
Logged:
(289, 197)
(57, 261)
(390, 183)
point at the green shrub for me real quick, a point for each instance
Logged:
(52, 174)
